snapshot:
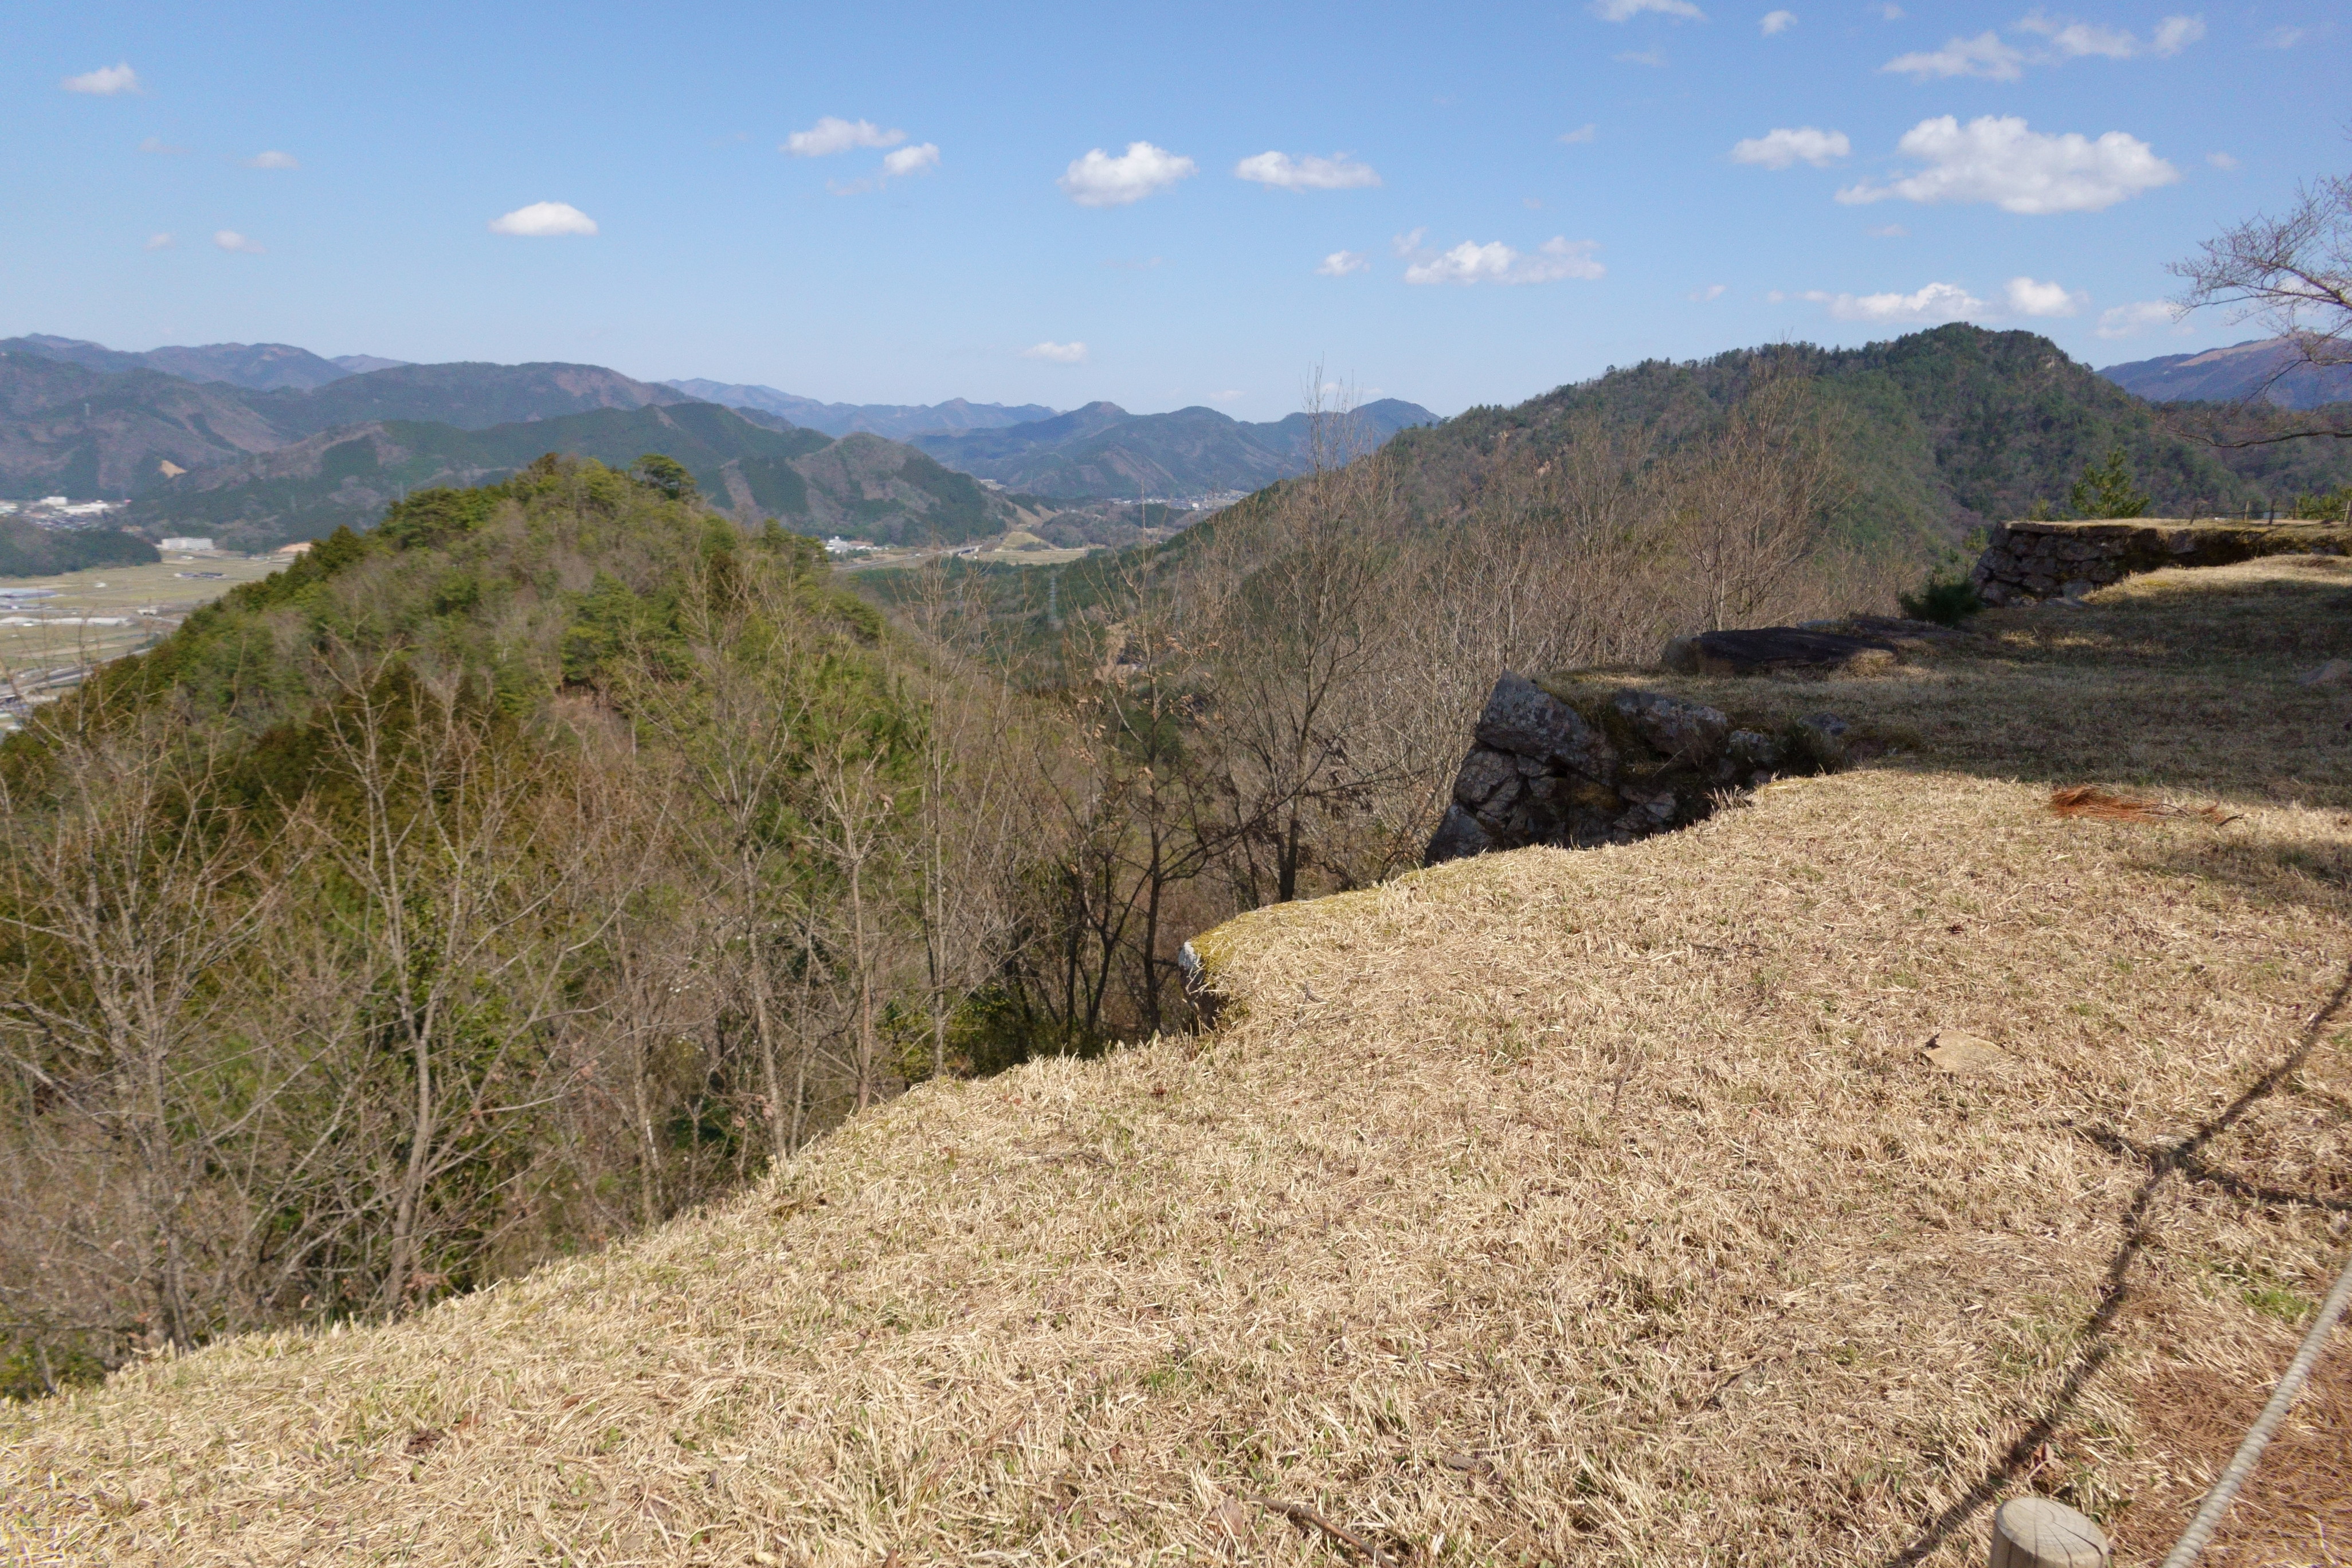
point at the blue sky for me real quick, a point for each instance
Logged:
(1472, 203)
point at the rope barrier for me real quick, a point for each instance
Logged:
(2217, 1502)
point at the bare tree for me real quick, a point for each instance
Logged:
(2290, 274)
(165, 1119)
(1289, 603)
(468, 856)
(1756, 505)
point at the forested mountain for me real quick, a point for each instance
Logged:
(1943, 431)
(347, 477)
(897, 420)
(1103, 451)
(2269, 367)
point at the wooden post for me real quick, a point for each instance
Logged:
(2041, 1532)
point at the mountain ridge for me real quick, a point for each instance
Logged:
(2269, 368)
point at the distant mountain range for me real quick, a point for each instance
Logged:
(897, 420)
(257, 367)
(2265, 367)
(861, 485)
(1103, 451)
(258, 467)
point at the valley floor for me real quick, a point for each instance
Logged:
(1590, 1207)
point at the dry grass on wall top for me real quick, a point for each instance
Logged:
(1552, 1206)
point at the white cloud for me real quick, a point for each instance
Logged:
(2221, 160)
(229, 239)
(1712, 292)
(1231, 395)
(1307, 172)
(1988, 55)
(272, 160)
(1408, 244)
(1984, 54)
(1776, 22)
(2280, 38)
(2130, 321)
(921, 159)
(1892, 13)
(1533, 204)
(2069, 39)
(2024, 296)
(1626, 10)
(1057, 353)
(157, 145)
(1935, 302)
(1650, 57)
(158, 242)
(832, 134)
(1099, 180)
(1580, 135)
(104, 82)
(1340, 263)
(543, 220)
(1995, 158)
(1779, 148)
(1889, 231)
(1497, 263)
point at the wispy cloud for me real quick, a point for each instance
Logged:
(2283, 37)
(1891, 12)
(1099, 180)
(832, 134)
(1626, 10)
(1649, 57)
(229, 239)
(1495, 262)
(1307, 172)
(1580, 136)
(158, 242)
(1712, 292)
(1988, 55)
(1997, 158)
(158, 145)
(1889, 231)
(272, 160)
(1057, 353)
(921, 159)
(2221, 160)
(2130, 321)
(1779, 148)
(544, 220)
(1776, 22)
(1342, 263)
(1935, 303)
(1984, 54)
(106, 81)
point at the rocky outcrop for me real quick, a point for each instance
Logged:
(1610, 768)
(2027, 562)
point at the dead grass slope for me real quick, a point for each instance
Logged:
(1553, 1206)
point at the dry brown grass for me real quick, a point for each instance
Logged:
(1554, 1206)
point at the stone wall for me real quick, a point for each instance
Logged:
(2027, 562)
(1610, 768)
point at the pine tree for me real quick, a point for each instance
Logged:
(2105, 489)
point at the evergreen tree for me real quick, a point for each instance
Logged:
(2105, 489)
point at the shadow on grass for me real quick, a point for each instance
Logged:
(2114, 1288)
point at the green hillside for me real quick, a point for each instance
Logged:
(347, 477)
(27, 550)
